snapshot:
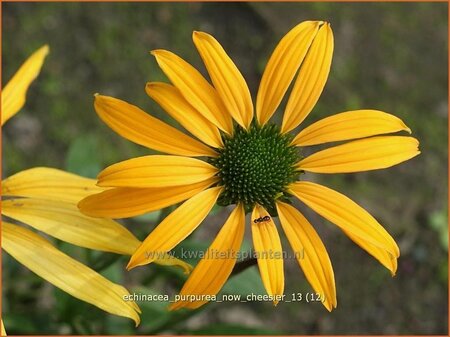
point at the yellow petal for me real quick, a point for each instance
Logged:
(345, 213)
(386, 259)
(215, 267)
(349, 125)
(228, 81)
(65, 222)
(126, 202)
(171, 100)
(51, 184)
(362, 155)
(267, 244)
(71, 276)
(282, 67)
(136, 125)
(311, 79)
(311, 253)
(14, 93)
(171, 261)
(195, 89)
(156, 171)
(175, 227)
(3, 329)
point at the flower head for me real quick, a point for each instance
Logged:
(247, 161)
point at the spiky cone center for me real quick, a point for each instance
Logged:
(256, 166)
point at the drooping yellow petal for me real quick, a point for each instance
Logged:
(349, 125)
(171, 100)
(310, 253)
(175, 227)
(311, 79)
(195, 89)
(345, 213)
(282, 67)
(156, 171)
(71, 276)
(14, 93)
(267, 244)
(65, 222)
(126, 202)
(362, 155)
(215, 267)
(226, 77)
(49, 183)
(137, 126)
(386, 259)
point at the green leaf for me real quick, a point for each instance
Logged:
(83, 156)
(154, 312)
(151, 217)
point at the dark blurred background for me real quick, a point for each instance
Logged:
(388, 56)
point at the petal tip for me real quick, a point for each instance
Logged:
(198, 34)
(158, 52)
(131, 264)
(45, 49)
(329, 306)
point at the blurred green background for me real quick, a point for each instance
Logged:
(388, 56)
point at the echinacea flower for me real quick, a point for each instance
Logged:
(46, 199)
(245, 160)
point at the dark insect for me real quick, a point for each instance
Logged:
(262, 219)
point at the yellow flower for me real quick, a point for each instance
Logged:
(46, 199)
(248, 162)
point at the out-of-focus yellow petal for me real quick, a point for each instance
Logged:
(3, 329)
(65, 222)
(137, 126)
(310, 253)
(282, 67)
(213, 270)
(156, 171)
(349, 125)
(311, 79)
(49, 183)
(71, 276)
(344, 213)
(14, 93)
(195, 89)
(171, 100)
(362, 155)
(126, 202)
(386, 259)
(175, 227)
(267, 244)
(226, 77)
